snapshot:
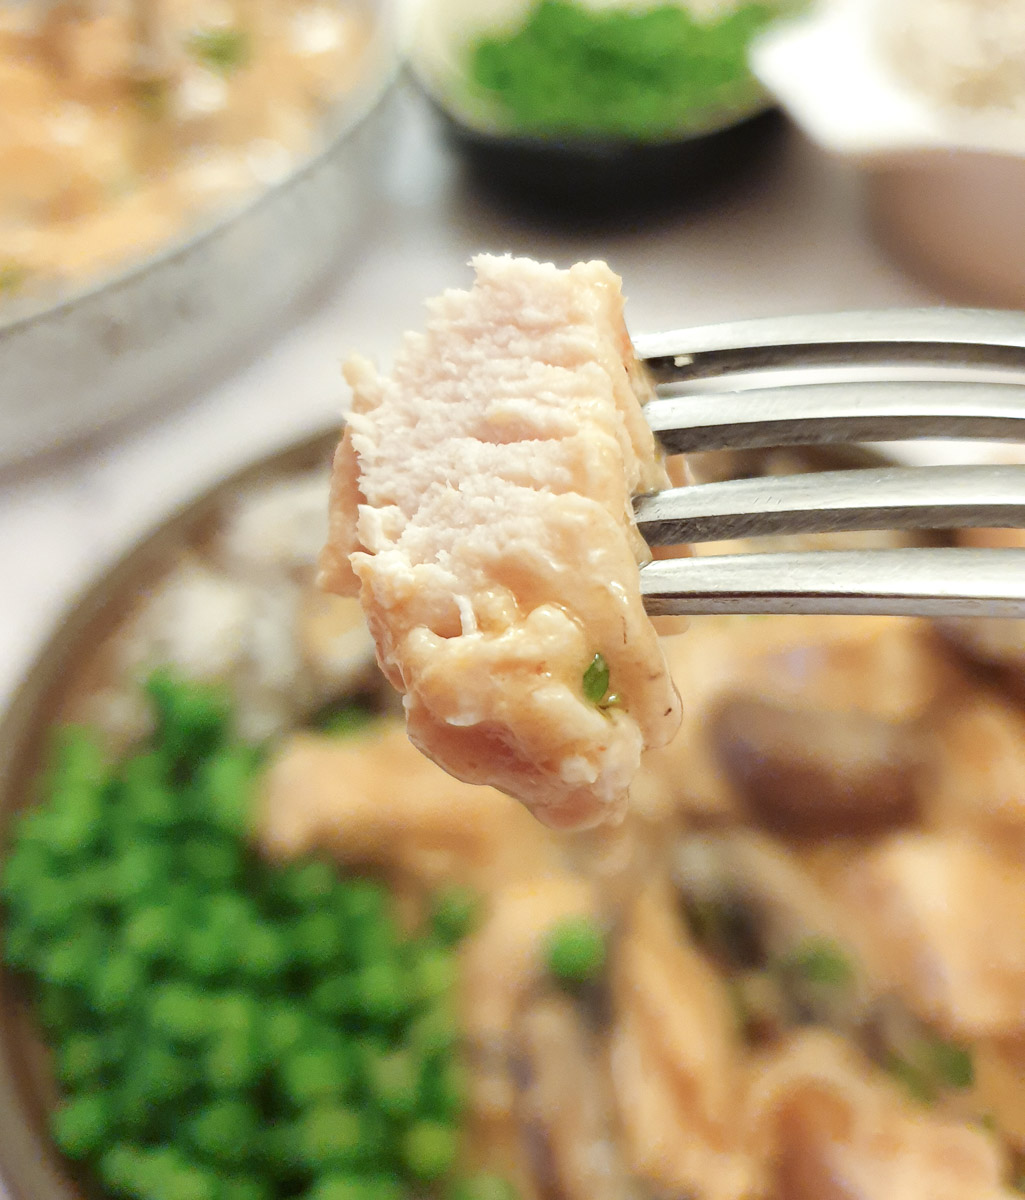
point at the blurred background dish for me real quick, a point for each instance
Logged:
(596, 107)
(256, 945)
(928, 100)
(440, 931)
(170, 190)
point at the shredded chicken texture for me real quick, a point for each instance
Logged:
(482, 507)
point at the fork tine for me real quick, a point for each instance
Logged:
(819, 413)
(945, 582)
(962, 337)
(835, 501)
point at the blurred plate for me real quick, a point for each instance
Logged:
(134, 339)
(77, 662)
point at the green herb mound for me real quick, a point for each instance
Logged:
(645, 75)
(224, 1029)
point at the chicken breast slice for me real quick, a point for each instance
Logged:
(482, 507)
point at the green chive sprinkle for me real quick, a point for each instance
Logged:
(575, 950)
(223, 50)
(596, 680)
(820, 961)
(915, 1081)
(952, 1064)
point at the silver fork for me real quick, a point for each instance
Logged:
(891, 376)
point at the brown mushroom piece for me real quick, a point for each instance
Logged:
(814, 772)
(777, 901)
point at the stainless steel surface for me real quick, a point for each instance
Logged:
(943, 582)
(987, 349)
(146, 334)
(961, 337)
(836, 501)
(809, 414)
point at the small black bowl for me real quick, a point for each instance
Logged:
(603, 177)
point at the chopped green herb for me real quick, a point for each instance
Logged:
(931, 1066)
(454, 912)
(223, 50)
(596, 680)
(575, 950)
(151, 97)
(820, 961)
(12, 277)
(916, 1082)
(952, 1064)
(346, 720)
(576, 70)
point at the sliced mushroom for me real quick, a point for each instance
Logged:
(885, 668)
(814, 772)
(771, 925)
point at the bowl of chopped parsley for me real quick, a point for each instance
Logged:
(598, 105)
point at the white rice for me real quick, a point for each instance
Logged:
(964, 54)
(244, 612)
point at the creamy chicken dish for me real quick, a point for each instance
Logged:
(795, 972)
(814, 928)
(482, 509)
(124, 122)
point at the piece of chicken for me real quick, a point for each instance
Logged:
(942, 921)
(675, 1059)
(482, 506)
(836, 1128)
(373, 801)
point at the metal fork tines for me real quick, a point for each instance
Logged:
(987, 350)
